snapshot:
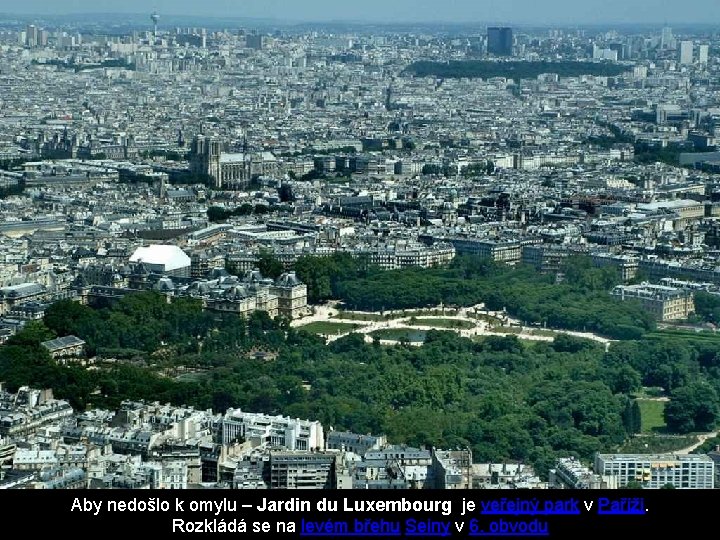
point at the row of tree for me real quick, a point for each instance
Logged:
(582, 302)
(504, 398)
(501, 397)
(218, 214)
(16, 189)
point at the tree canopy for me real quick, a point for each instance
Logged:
(582, 302)
(693, 407)
(505, 398)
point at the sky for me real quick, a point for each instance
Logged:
(532, 12)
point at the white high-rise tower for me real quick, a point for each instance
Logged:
(155, 18)
(686, 52)
(667, 40)
(703, 54)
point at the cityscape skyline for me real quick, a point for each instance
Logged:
(243, 254)
(523, 12)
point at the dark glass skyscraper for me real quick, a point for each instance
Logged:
(499, 41)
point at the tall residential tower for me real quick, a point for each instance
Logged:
(500, 41)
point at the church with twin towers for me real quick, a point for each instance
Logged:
(229, 170)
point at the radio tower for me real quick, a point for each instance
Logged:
(155, 18)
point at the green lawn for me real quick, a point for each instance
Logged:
(441, 323)
(354, 316)
(656, 444)
(675, 335)
(492, 321)
(543, 332)
(329, 328)
(400, 334)
(507, 329)
(192, 376)
(651, 415)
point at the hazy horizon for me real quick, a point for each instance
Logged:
(527, 12)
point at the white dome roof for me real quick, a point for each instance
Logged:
(170, 257)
